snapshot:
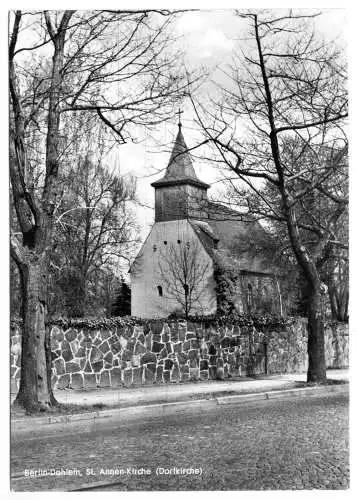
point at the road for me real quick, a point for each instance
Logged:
(277, 444)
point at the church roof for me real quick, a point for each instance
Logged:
(229, 224)
(205, 234)
(180, 168)
(240, 237)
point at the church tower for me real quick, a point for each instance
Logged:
(173, 245)
(180, 194)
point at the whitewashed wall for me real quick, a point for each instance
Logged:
(146, 275)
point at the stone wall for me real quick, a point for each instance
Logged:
(337, 345)
(158, 352)
(287, 348)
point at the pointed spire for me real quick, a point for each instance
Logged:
(180, 164)
(180, 167)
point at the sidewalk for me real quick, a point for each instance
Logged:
(127, 405)
(177, 392)
(134, 396)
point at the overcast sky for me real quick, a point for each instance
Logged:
(208, 38)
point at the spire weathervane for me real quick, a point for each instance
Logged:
(179, 113)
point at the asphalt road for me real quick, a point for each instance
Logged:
(276, 444)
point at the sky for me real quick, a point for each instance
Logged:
(209, 38)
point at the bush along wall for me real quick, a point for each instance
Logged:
(127, 352)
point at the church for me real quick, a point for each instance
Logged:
(201, 257)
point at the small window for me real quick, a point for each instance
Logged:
(179, 241)
(159, 289)
(185, 287)
(154, 248)
(165, 242)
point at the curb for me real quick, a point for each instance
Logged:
(162, 409)
(286, 393)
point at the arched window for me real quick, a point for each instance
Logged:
(159, 289)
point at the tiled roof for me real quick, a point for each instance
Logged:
(180, 167)
(206, 235)
(243, 240)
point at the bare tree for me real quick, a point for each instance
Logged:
(287, 87)
(183, 275)
(312, 212)
(95, 231)
(118, 67)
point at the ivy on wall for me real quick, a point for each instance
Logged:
(227, 282)
(195, 321)
(227, 278)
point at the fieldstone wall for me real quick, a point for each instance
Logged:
(287, 348)
(337, 345)
(160, 352)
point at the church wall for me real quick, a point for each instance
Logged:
(123, 352)
(148, 273)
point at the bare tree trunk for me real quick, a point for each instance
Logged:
(48, 353)
(332, 296)
(316, 332)
(316, 338)
(338, 301)
(345, 312)
(186, 302)
(35, 391)
(342, 314)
